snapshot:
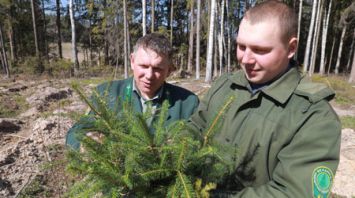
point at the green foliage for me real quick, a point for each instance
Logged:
(348, 122)
(130, 160)
(59, 67)
(29, 65)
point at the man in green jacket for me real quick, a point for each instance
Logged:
(286, 133)
(151, 63)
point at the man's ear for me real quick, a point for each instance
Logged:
(292, 47)
(171, 69)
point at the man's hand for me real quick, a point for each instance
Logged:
(96, 136)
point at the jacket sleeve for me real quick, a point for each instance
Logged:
(201, 116)
(72, 139)
(307, 164)
(196, 102)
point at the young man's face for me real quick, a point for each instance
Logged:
(260, 51)
(149, 70)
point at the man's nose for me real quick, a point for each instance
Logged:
(248, 57)
(149, 73)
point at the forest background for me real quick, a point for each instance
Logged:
(47, 44)
(34, 32)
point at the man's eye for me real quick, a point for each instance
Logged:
(241, 47)
(143, 66)
(158, 69)
(261, 50)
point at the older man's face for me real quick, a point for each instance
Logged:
(149, 70)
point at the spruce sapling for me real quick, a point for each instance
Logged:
(131, 160)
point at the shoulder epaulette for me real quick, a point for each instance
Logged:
(314, 91)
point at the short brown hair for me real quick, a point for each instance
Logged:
(273, 9)
(156, 42)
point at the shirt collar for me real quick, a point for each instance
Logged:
(156, 97)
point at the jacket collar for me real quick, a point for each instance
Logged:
(280, 90)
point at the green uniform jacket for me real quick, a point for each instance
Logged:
(182, 103)
(287, 135)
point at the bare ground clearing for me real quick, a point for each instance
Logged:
(31, 148)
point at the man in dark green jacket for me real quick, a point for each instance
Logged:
(151, 63)
(286, 133)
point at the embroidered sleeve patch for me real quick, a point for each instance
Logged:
(322, 180)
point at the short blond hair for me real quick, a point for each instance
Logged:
(275, 10)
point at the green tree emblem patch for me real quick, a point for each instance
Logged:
(322, 180)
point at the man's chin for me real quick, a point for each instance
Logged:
(253, 79)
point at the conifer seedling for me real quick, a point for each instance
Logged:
(130, 160)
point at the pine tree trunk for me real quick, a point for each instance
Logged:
(58, 24)
(198, 22)
(331, 57)
(352, 74)
(3, 55)
(324, 39)
(350, 53)
(191, 38)
(125, 39)
(90, 44)
(11, 37)
(152, 15)
(75, 70)
(309, 38)
(2, 61)
(34, 23)
(3, 64)
(144, 11)
(299, 23)
(209, 63)
(316, 38)
(128, 38)
(229, 40)
(337, 65)
(215, 54)
(106, 42)
(220, 39)
(171, 20)
(44, 37)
